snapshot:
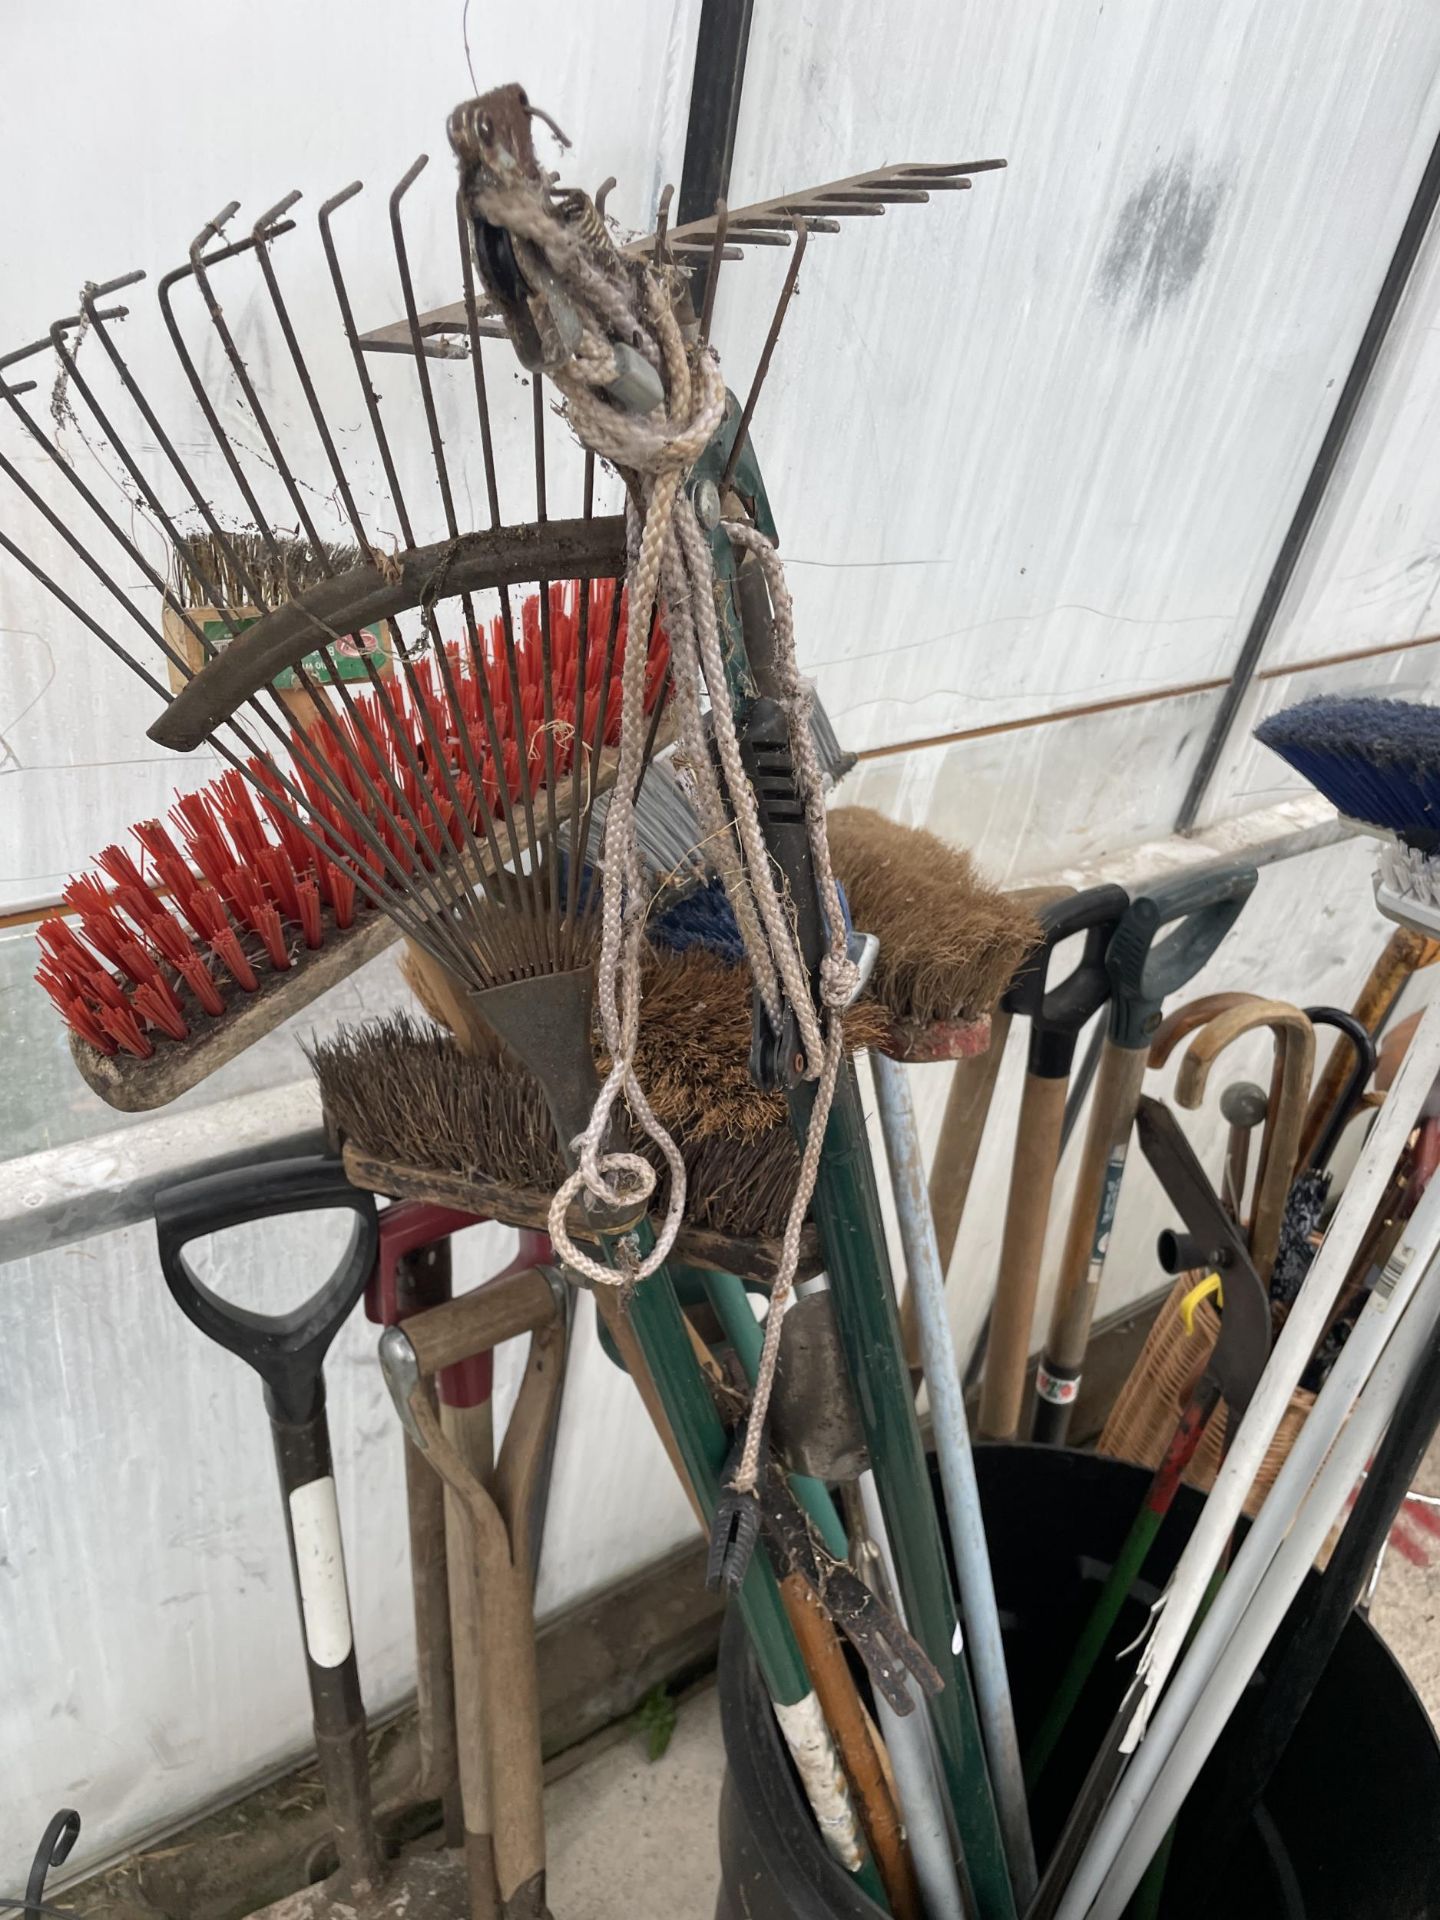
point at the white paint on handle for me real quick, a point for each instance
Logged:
(813, 1751)
(320, 1563)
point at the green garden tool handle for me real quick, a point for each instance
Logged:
(1199, 909)
(1129, 1563)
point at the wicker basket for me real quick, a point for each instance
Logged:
(1149, 1404)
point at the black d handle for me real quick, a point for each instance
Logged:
(287, 1349)
(1058, 1014)
(1201, 908)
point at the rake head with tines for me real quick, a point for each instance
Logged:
(405, 727)
(418, 715)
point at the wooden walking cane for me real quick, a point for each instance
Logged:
(1199, 908)
(1056, 1015)
(1289, 1091)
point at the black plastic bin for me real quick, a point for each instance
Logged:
(1350, 1827)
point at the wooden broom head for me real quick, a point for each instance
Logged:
(949, 942)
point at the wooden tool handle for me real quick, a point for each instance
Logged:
(1404, 953)
(509, 1305)
(1223, 1031)
(1112, 1115)
(857, 1743)
(444, 997)
(1032, 1176)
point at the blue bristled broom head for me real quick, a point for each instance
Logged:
(704, 918)
(1376, 760)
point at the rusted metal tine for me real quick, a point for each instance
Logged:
(507, 621)
(784, 224)
(875, 197)
(336, 791)
(662, 221)
(712, 278)
(252, 398)
(299, 819)
(758, 236)
(382, 443)
(904, 170)
(576, 868)
(547, 690)
(452, 527)
(79, 548)
(197, 386)
(97, 320)
(487, 450)
(266, 229)
(589, 904)
(802, 234)
(78, 612)
(602, 194)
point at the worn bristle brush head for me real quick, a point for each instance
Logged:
(399, 1094)
(1376, 759)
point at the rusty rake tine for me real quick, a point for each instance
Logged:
(367, 392)
(147, 413)
(547, 689)
(336, 851)
(464, 908)
(252, 398)
(500, 878)
(337, 795)
(802, 234)
(422, 362)
(904, 170)
(147, 492)
(662, 222)
(744, 236)
(472, 325)
(78, 612)
(126, 545)
(262, 234)
(577, 737)
(197, 386)
(712, 277)
(875, 197)
(507, 618)
(458, 899)
(437, 449)
(602, 704)
(602, 194)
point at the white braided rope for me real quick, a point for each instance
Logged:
(669, 553)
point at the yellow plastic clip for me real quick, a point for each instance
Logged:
(1207, 1287)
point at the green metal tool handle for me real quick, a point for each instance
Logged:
(846, 1208)
(1201, 908)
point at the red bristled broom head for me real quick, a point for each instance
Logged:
(241, 890)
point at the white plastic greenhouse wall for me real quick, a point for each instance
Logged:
(1032, 450)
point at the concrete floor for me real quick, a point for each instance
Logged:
(632, 1840)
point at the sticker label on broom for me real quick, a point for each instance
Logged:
(1105, 1218)
(1059, 1389)
(1390, 1276)
(320, 1565)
